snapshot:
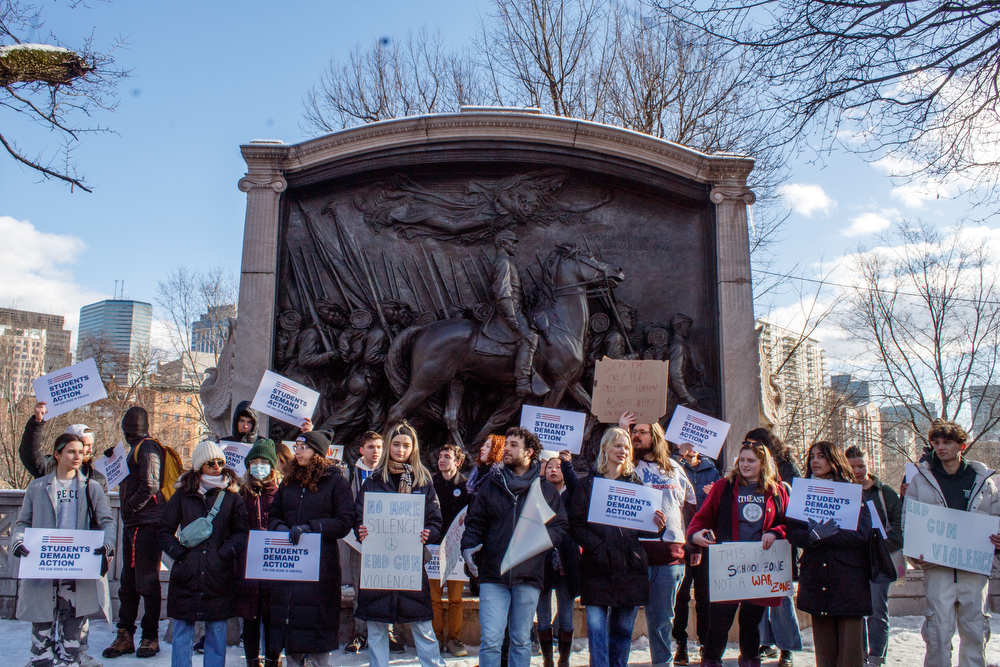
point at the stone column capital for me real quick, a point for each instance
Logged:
(275, 182)
(721, 193)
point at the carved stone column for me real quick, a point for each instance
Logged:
(740, 365)
(263, 183)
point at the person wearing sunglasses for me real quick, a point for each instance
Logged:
(748, 506)
(204, 529)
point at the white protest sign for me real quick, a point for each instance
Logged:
(351, 542)
(236, 455)
(911, 470)
(433, 566)
(335, 453)
(392, 555)
(702, 432)
(949, 537)
(745, 571)
(530, 536)
(821, 499)
(876, 519)
(61, 554)
(622, 504)
(451, 545)
(115, 468)
(556, 429)
(69, 388)
(283, 399)
(272, 556)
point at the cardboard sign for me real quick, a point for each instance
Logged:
(621, 504)
(821, 499)
(630, 386)
(392, 556)
(451, 546)
(556, 429)
(705, 434)
(876, 519)
(61, 554)
(335, 453)
(433, 566)
(115, 468)
(283, 399)
(272, 556)
(69, 388)
(746, 571)
(949, 537)
(236, 455)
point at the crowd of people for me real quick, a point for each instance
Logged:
(201, 521)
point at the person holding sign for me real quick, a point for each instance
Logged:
(954, 597)
(314, 497)
(39, 464)
(614, 569)
(748, 506)
(834, 569)
(449, 484)
(204, 530)
(399, 470)
(253, 596)
(58, 609)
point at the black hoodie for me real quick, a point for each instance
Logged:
(243, 409)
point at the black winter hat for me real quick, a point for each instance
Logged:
(318, 440)
(135, 422)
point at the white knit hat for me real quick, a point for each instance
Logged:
(205, 451)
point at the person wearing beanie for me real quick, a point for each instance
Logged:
(253, 596)
(141, 507)
(203, 577)
(314, 497)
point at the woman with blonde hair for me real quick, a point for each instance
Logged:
(399, 470)
(747, 506)
(614, 579)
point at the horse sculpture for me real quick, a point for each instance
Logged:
(423, 359)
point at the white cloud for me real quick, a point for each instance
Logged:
(869, 222)
(807, 198)
(35, 273)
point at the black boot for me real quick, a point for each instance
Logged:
(565, 647)
(253, 662)
(545, 642)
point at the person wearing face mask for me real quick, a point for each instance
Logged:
(203, 576)
(254, 595)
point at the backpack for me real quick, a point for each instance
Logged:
(170, 471)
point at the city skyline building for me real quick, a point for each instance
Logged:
(58, 350)
(22, 359)
(208, 332)
(116, 332)
(984, 403)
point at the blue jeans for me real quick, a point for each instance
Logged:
(182, 645)
(780, 626)
(876, 627)
(664, 580)
(609, 633)
(428, 652)
(564, 616)
(501, 607)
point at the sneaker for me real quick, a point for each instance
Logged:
(148, 648)
(768, 652)
(359, 643)
(785, 659)
(123, 643)
(456, 648)
(88, 660)
(681, 656)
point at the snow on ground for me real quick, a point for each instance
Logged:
(905, 648)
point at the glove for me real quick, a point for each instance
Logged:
(296, 533)
(468, 555)
(109, 452)
(823, 530)
(20, 551)
(101, 550)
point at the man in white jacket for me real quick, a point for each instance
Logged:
(954, 597)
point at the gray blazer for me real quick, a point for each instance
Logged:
(36, 601)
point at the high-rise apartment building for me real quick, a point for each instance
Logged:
(22, 359)
(855, 420)
(208, 333)
(58, 353)
(116, 332)
(984, 401)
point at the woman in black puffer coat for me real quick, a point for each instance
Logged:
(312, 498)
(203, 577)
(399, 470)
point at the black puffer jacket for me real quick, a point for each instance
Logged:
(614, 570)
(243, 409)
(491, 520)
(386, 606)
(142, 502)
(203, 578)
(834, 573)
(305, 615)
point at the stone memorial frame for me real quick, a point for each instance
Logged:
(707, 193)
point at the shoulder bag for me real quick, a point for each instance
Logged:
(201, 528)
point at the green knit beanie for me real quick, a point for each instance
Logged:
(263, 449)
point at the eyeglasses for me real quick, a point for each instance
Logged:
(747, 444)
(300, 448)
(641, 431)
(216, 463)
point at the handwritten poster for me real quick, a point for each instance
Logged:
(621, 504)
(821, 500)
(284, 399)
(556, 429)
(335, 453)
(949, 537)
(271, 555)
(746, 571)
(69, 388)
(705, 434)
(236, 455)
(392, 556)
(630, 386)
(451, 545)
(115, 467)
(61, 554)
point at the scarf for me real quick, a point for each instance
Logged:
(518, 485)
(405, 471)
(209, 482)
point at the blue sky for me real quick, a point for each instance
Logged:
(207, 77)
